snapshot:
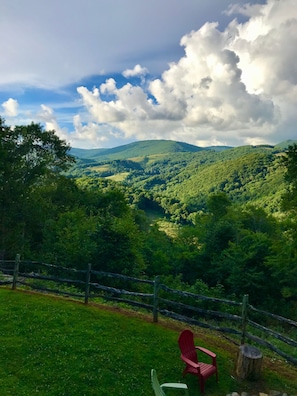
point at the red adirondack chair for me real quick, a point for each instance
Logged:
(190, 354)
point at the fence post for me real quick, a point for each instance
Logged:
(156, 292)
(87, 288)
(245, 301)
(16, 271)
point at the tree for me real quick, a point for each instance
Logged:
(29, 158)
(69, 240)
(283, 261)
(218, 205)
(98, 228)
(204, 242)
(118, 243)
(158, 252)
(290, 162)
(242, 268)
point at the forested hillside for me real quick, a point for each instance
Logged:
(137, 149)
(178, 178)
(231, 213)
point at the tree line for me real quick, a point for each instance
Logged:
(224, 250)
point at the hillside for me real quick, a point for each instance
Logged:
(175, 173)
(137, 149)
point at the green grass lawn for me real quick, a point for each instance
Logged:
(55, 346)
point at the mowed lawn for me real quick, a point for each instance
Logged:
(55, 346)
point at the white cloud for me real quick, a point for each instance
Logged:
(231, 84)
(137, 71)
(46, 115)
(90, 133)
(265, 45)
(10, 107)
(203, 90)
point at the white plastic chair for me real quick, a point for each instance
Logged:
(158, 389)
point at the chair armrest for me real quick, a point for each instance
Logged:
(208, 353)
(190, 362)
(174, 385)
(177, 385)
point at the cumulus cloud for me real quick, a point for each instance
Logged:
(266, 45)
(230, 84)
(10, 107)
(90, 132)
(238, 84)
(137, 71)
(46, 115)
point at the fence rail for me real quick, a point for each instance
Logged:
(157, 298)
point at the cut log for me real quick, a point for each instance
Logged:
(249, 362)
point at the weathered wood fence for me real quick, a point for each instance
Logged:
(240, 319)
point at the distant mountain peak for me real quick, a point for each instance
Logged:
(137, 149)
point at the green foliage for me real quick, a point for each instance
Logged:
(30, 158)
(219, 203)
(290, 162)
(282, 263)
(158, 252)
(230, 246)
(180, 181)
(68, 240)
(101, 228)
(243, 266)
(46, 216)
(285, 144)
(118, 247)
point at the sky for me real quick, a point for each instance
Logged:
(105, 73)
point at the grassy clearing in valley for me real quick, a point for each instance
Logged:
(54, 346)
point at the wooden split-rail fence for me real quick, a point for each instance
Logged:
(239, 319)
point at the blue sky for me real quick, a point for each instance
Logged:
(106, 73)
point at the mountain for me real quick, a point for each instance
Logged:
(219, 148)
(178, 175)
(85, 153)
(156, 147)
(285, 144)
(136, 149)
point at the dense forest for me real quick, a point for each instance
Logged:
(176, 178)
(215, 221)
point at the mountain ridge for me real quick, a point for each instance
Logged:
(136, 149)
(153, 147)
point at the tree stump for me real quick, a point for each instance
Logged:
(249, 362)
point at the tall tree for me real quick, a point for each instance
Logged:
(283, 261)
(29, 157)
(290, 162)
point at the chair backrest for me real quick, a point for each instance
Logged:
(155, 384)
(187, 346)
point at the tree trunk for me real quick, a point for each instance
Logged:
(249, 362)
